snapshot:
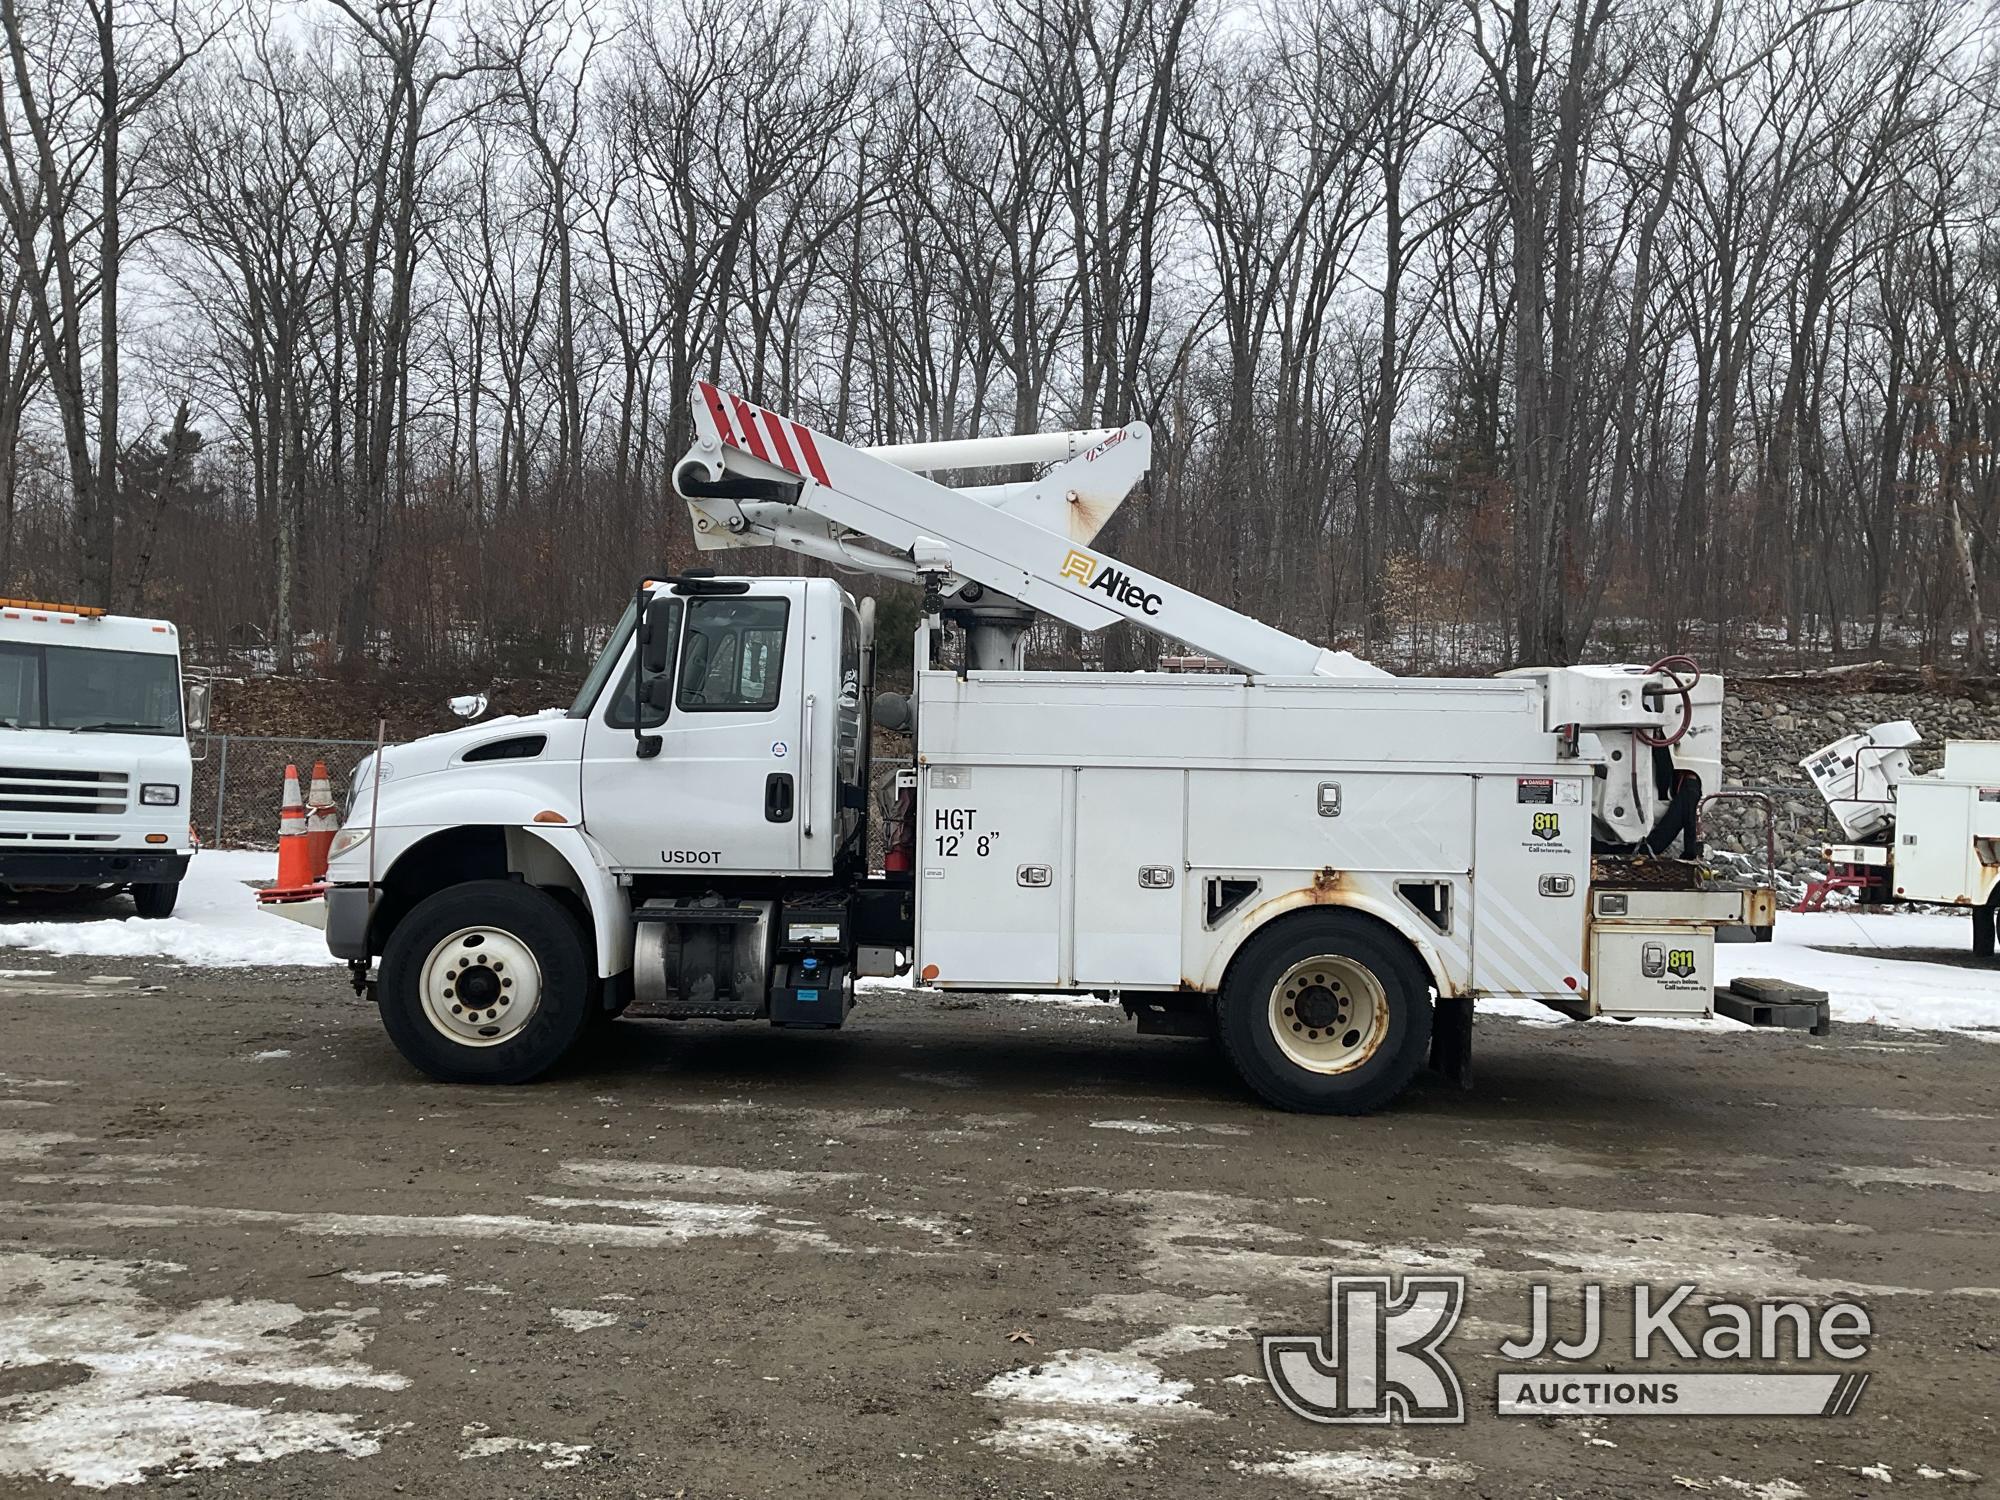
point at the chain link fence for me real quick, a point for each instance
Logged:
(239, 783)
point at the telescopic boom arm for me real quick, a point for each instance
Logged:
(754, 478)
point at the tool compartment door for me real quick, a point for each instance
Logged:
(1129, 867)
(991, 886)
(1530, 886)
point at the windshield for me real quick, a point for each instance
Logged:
(594, 683)
(89, 691)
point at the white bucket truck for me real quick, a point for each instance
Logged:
(1321, 864)
(95, 771)
(1931, 838)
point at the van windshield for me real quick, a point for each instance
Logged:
(88, 691)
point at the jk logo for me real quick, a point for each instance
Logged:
(1547, 826)
(1380, 1361)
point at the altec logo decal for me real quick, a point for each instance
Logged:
(1083, 570)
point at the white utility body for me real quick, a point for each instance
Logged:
(1927, 838)
(95, 771)
(1324, 864)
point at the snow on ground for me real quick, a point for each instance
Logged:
(1894, 984)
(1894, 989)
(1914, 972)
(216, 923)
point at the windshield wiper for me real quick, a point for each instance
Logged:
(118, 724)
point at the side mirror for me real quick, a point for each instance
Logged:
(656, 643)
(196, 713)
(659, 692)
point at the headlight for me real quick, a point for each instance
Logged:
(160, 794)
(347, 841)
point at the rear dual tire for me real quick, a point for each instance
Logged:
(1982, 926)
(1326, 1013)
(486, 982)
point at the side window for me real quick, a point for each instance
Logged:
(618, 712)
(732, 655)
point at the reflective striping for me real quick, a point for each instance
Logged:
(1500, 928)
(718, 413)
(1565, 965)
(778, 444)
(738, 425)
(1491, 954)
(811, 453)
(746, 418)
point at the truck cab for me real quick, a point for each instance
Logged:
(710, 776)
(95, 771)
(721, 730)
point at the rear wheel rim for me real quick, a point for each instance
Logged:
(480, 986)
(1328, 1014)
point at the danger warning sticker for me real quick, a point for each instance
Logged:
(1545, 791)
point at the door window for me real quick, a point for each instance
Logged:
(732, 655)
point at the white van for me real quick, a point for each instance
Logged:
(95, 771)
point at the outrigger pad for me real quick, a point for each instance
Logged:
(1775, 1002)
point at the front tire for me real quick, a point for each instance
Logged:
(486, 982)
(156, 901)
(1328, 1013)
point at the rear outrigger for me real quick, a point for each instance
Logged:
(1324, 865)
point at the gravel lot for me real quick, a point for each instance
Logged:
(962, 1248)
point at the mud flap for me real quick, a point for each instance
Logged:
(1451, 1041)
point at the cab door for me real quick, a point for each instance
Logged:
(723, 795)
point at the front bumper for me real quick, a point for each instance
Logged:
(98, 867)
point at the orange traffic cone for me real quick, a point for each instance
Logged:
(322, 820)
(295, 877)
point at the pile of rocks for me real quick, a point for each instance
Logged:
(1769, 726)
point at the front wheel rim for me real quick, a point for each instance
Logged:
(480, 986)
(1328, 1014)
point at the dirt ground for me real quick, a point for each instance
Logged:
(962, 1248)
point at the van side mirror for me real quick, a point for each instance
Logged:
(196, 711)
(656, 635)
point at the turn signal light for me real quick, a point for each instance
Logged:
(156, 838)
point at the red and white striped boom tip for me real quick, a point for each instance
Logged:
(763, 434)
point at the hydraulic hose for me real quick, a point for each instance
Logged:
(1683, 672)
